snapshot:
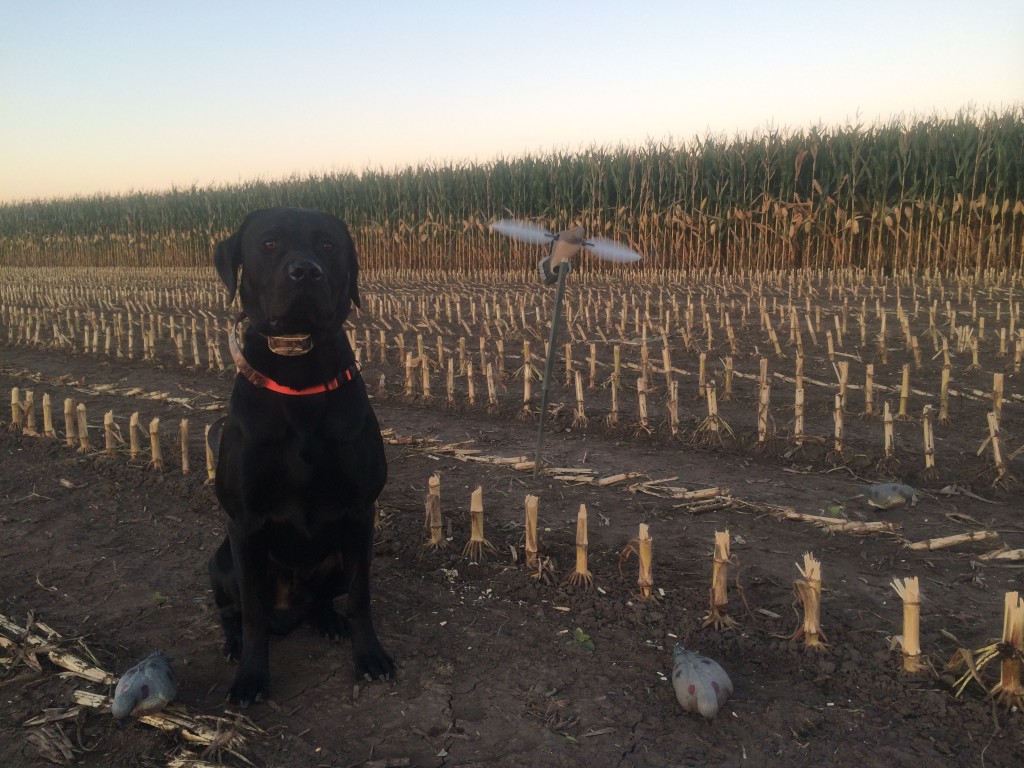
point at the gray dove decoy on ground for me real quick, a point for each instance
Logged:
(890, 495)
(147, 687)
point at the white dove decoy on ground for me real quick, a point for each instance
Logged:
(147, 687)
(700, 683)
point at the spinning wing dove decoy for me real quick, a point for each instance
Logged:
(553, 269)
(564, 248)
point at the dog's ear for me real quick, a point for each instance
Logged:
(228, 258)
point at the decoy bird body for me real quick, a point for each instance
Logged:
(147, 687)
(564, 247)
(890, 495)
(700, 683)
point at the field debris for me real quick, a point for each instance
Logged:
(1009, 691)
(218, 734)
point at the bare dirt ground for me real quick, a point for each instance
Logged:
(114, 559)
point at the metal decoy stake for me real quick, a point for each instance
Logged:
(554, 268)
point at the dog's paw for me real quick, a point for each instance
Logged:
(248, 688)
(331, 625)
(372, 662)
(233, 648)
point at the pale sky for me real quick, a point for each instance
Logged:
(107, 96)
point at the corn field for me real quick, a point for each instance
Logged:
(931, 194)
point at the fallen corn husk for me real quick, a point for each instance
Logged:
(230, 734)
(12, 635)
(1003, 554)
(835, 524)
(944, 542)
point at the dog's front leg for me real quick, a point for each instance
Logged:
(249, 552)
(370, 659)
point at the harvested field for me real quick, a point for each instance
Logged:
(110, 551)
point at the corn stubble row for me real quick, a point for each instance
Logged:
(77, 433)
(1009, 651)
(473, 344)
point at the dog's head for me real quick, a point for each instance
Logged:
(299, 270)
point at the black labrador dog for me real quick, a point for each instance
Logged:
(300, 459)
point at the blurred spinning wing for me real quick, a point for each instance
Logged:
(522, 231)
(609, 250)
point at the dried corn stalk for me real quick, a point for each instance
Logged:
(183, 433)
(69, 422)
(531, 532)
(641, 394)
(902, 415)
(110, 434)
(763, 412)
(477, 546)
(927, 415)
(527, 370)
(84, 446)
(48, 430)
(29, 408)
(1010, 652)
(1009, 690)
(17, 420)
(717, 616)
(869, 390)
(156, 457)
(581, 576)
(645, 554)
(944, 397)
(837, 416)
(809, 591)
(889, 435)
(432, 505)
(909, 591)
(211, 461)
(579, 415)
(433, 489)
(134, 432)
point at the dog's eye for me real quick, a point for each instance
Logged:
(270, 244)
(327, 246)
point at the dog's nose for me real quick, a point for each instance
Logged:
(305, 272)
